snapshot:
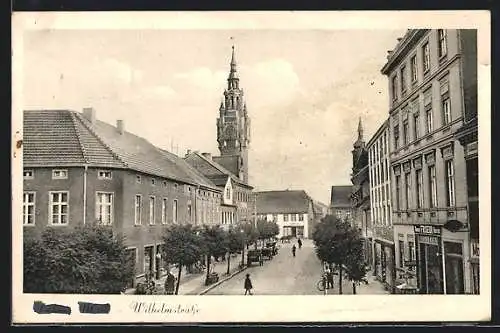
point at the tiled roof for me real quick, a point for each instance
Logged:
(64, 137)
(340, 196)
(276, 202)
(50, 138)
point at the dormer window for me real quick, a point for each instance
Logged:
(59, 174)
(104, 174)
(138, 179)
(28, 174)
(153, 181)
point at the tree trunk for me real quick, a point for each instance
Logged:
(228, 262)
(178, 279)
(208, 265)
(354, 288)
(340, 279)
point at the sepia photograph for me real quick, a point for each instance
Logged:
(165, 157)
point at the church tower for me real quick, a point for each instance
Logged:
(359, 149)
(233, 126)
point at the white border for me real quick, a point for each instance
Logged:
(262, 308)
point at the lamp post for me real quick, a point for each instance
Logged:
(242, 247)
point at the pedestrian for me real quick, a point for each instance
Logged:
(329, 278)
(170, 283)
(261, 260)
(294, 249)
(300, 243)
(248, 285)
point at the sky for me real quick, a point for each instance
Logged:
(305, 91)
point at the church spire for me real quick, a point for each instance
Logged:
(360, 130)
(233, 74)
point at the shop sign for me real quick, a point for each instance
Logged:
(432, 240)
(293, 224)
(427, 230)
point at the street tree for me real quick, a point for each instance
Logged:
(184, 246)
(250, 231)
(82, 260)
(267, 229)
(215, 244)
(338, 243)
(235, 242)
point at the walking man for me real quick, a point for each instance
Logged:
(248, 285)
(294, 248)
(300, 243)
(170, 283)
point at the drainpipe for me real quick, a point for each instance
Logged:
(85, 194)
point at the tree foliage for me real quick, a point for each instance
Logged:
(184, 246)
(267, 229)
(337, 242)
(234, 242)
(250, 231)
(82, 260)
(215, 243)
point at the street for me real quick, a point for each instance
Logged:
(286, 275)
(283, 275)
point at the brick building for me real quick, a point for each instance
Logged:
(430, 73)
(360, 196)
(79, 170)
(380, 203)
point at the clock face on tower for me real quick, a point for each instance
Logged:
(230, 131)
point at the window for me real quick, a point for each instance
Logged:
(138, 179)
(174, 211)
(301, 217)
(104, 174)
(151, 210)
(414, 69)
(28, 174)
(104, 208)
(59, 207)
(450, 183)
(396, 136)
(432, 186)
(294, 217)
(164, 183)
(411, 250)
(29, 208)
(401, 253)
(59, 174)
(228, 193)
(153, 181)
(408, 189)
(406, 132)
(403, 79)
(394, 88)
(398, 192)
(426, 57)
(189, 212)
(164, 211)
(442, 47)
(275, 217)
(416, 125)
(138, 209)
(429, 123)
(420, 194)
(445, 101)
(285, 217)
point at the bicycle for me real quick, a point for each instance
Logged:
(321, 285)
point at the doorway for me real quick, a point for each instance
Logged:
(294, 231)
(454, 266)
(430, 266)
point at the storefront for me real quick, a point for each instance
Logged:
(384, 268)
(294, 230)
(429, 259)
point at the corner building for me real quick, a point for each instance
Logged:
(428, 170)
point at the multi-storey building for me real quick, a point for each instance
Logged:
(79, 170)
(230, 170)
(380, 203)
(427, 75)
(340, 202)
(360, 196)
(293, 211)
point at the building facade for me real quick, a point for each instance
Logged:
(79, 170)
(381, 211)
(293, 211)
(340, 202)
(360, 196)
(428, 169)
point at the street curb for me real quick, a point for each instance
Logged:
(206, 290)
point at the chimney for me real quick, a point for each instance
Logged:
(89, 114)
(208, 156)
(188, 152)
(120, 126)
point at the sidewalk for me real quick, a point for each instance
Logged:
(374, 287)
(194, 284)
